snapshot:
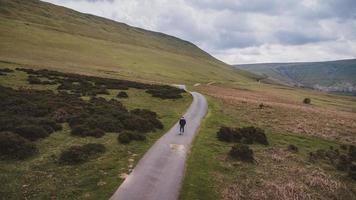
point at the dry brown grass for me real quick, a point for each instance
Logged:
(284, 178)
(282, 114)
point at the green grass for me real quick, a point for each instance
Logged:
(41, 177)
(43, 35)
(209, 170)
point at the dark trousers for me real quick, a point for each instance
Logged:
(181, 129)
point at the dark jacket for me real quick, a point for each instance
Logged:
(182, 122)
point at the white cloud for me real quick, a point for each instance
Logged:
(243, 31)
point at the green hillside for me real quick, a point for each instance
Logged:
(43, 35)
(333, 76)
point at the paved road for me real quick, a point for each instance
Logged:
(158, 175)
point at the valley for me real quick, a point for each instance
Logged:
(84, 99)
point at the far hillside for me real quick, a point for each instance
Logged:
(330, 76)
(44, 35)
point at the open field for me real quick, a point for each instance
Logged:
(330, 117)
(41, 177)
(277, 174)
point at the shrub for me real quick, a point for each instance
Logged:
(84, 131)
(34, 80)
(137, 136)
(261, 106)
(4, 71)
(73, 155)
(79, 130)
(126, 137)
(343, 163)
(93, 149)
(352, 172)
(45, 109)
(352, 152)
(122, 95)
(165, 92)
(343, 146)
(293, 148)
(150, 116)
(246, 135)
(242, 152)
(137, 123)
(13, 146)
(252, 134)
(52, 124)
(96, 133)
(307, 101)
(80, 154)
(226, 134)
(32, 132)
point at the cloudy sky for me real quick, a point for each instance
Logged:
(243, 31)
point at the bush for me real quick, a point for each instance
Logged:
(52, 124)
(34, 80)
(124, 138)
(352, 172)
(80, 154)
(93, 149)
(343, 163)
(343, 146)
(4, 71)
(165, 92)
(73, 155)
(352, 152)
(226, 134)
(84, 131)
(13, 146)
(246, 135)
(32, 132)
(149, 116)
(242, 152)
(122, 95)
(253, 134)
(127, 136)
(293, 148)
(307, 101)
(45, 109)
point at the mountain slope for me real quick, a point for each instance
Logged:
(48, 36)
(333, 76)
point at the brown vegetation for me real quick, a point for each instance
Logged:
(281, 175)
(282, 114)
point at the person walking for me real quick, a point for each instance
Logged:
(182, 123)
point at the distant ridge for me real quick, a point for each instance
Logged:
(329, 76)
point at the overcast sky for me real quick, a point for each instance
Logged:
(243, 31)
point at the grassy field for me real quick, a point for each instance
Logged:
(41, 177)
(278, 173)
(43, 35)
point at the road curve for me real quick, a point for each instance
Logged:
(158, 175)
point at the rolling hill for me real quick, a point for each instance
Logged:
(330, 76)
(44, 35)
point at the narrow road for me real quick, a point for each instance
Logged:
(158, 175)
